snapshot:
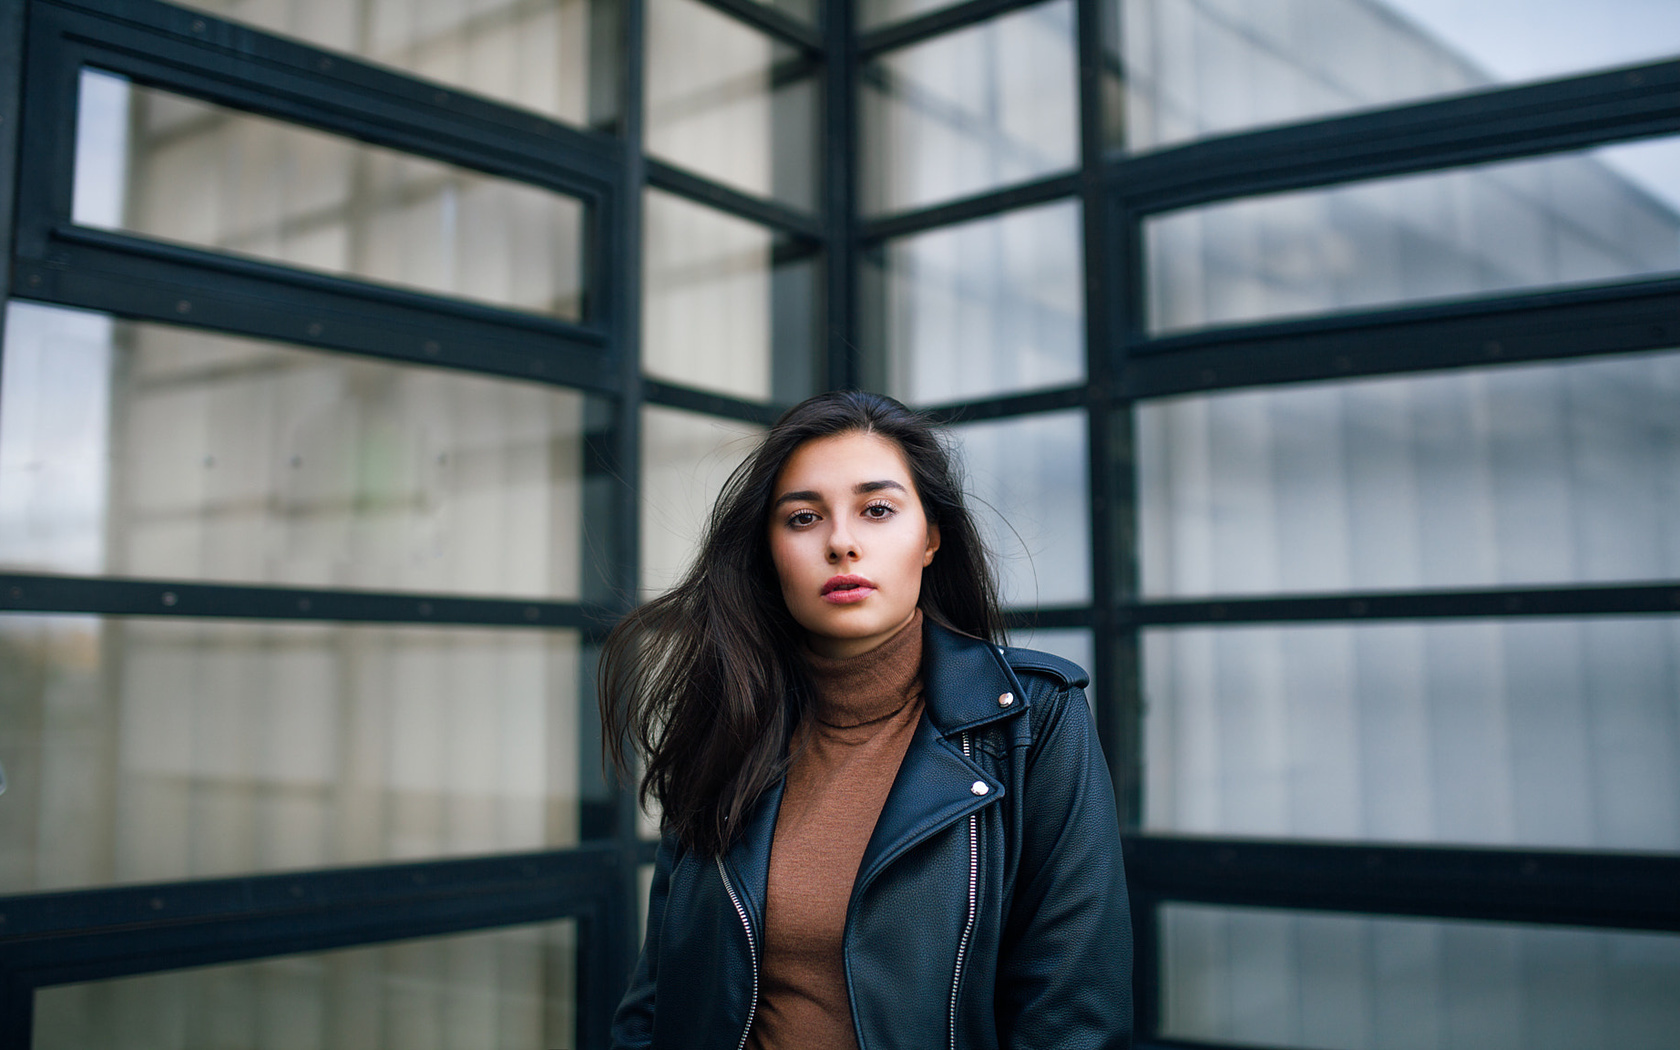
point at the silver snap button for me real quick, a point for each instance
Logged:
(1006, 699)
(979, 787)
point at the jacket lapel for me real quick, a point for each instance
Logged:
(962, 679)
(748, 860)
(933, 790)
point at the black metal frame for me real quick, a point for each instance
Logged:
(50, 938)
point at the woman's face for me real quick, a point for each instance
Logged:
(849, 541)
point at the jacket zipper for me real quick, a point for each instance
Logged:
(752, 952)
(973, 894)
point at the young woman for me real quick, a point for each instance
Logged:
(882, 829)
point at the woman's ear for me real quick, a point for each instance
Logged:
(932, 544)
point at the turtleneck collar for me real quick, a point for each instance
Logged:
(854, 691)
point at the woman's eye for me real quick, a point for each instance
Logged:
(801, 517)
(878, 510)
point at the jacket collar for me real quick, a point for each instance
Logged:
(963, 679)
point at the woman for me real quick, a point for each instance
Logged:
(881, 829)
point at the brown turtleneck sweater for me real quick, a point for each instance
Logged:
(844, 764)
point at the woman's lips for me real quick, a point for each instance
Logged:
(846, 590)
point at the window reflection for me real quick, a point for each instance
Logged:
(1027, 483)
(983, 308)
(1257, 977)
(1196, 68)
(1539, 732)
(730, 103)
(174, 168)
(510, 989)
(150, 750)
(1555, 220)
(976, 109)
(1518, 475)
(535, 55)
(135, 449)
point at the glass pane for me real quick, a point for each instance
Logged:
(1521, 474)
(988, 307)
(1206, 67)
(685, 459)
(1543, 732)
(726, 101)
(1566, 219)
(1343, 982)
(536, 55)
(141, 750)
(1068, 643)
(509, 989)
(971, 111)
(725, 306)
(132, 449)
(170, 167)
(1028, 485)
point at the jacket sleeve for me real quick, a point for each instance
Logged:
(632, 1025)
(1065, 965)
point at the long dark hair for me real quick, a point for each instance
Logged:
(702, 681)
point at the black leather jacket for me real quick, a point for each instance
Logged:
(990, 906)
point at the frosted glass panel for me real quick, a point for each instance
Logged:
(1530, 474)
(1544, 732)
(1337, 982)
(685, 459)
(1027, 486)
(1204, 67)
(536, 55)
(984, 308)
(971, 111)
(144, 750)
(511, 989)
(133, 449)
(708, 290)
(176, 169)
(1570, 219)
(726, 101)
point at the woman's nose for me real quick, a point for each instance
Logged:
(841, 545)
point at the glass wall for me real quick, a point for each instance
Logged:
(656, 192)
(1333, 982)
(509, 989)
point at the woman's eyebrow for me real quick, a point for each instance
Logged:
(862, 488)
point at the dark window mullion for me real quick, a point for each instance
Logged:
(1480, 603)
(107, 932)
(1528, 326)
(776, 24)
(706, 402)
(981, 205)
(920, 28)
(1604, 890)
(116, 596)
(1500, 124)
(761, 210)
(247, 69)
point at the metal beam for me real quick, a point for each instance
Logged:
(968, 209)
(916, 30)
(779, 25)
(761, 210)
(1498, 124)
(1623, 600)
(1532, 326)
(688, 399)
(1631, 891)
(109, 596)
(94, 934)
